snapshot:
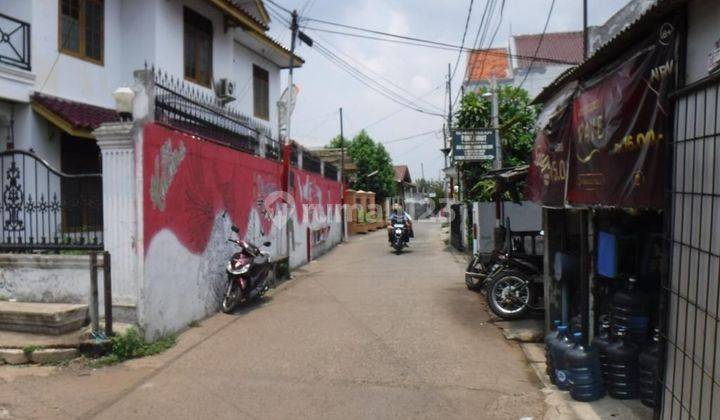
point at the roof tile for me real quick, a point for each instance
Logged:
(483, 64)
(557, 46)
(79, 115)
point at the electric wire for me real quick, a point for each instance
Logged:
(448, 47)
(462, 43)
(537, 50)
(492, 40)
(367, 80)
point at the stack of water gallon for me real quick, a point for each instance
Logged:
(620, 358)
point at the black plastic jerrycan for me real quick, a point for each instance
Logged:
(583, 366)
(629, 311)
(601, 343)
(558, 349)
(622, 357)
(549, 338)
(649, 362)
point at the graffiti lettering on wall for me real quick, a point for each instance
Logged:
(320, 235)
(195, 182)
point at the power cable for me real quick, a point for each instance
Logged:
(393, 84)
(367, 81)
(413, 136)
(370, 81)
(537, 50)
(471, 66)
(462, 43)
(497, 28)
(284, 9)
(400, 109)
(448, 47)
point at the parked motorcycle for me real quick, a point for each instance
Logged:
(399, 237)
(247, 274)
(515, 280)
(478, 269)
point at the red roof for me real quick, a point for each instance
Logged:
(79, 115)
(560, 46)
(483, 64)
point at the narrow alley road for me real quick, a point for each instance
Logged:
(360, 333)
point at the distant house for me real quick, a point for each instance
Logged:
(406, 190)
(515, 66)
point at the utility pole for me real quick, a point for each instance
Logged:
(449, 123)
(496, 123)
(585, 30)
(499, 236)
(422, 170)
(342, 176)
(288, 110)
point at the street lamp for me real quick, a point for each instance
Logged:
(124, 102)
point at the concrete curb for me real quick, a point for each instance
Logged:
(559, 405)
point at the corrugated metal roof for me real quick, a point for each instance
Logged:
(609, 50)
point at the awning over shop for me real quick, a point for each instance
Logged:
(75, 118)
(602, 142)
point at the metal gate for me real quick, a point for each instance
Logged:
(456, 229)
(45, 209)
(691, 382)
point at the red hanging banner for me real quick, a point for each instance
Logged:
(614, 133)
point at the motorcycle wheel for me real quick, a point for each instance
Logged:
(474, 283)
(231, 297)
(510, 294)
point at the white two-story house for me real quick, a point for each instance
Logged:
(61, 61)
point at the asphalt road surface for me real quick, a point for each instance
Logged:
(360, 333)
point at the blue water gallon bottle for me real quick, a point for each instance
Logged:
(649, 362)
(601, 343)
(558, 350)
(629, 311)
(583, 366)
(622, 357)
(551, 336)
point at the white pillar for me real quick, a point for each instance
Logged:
(121, 231)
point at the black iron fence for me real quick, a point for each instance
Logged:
(45, 209)
(456, 228)
(14, 42)
(691, 381)
(200, 112)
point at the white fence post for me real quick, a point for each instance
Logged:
(120, 227)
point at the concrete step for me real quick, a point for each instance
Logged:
(42, 318)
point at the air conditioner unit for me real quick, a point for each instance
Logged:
(226, 91)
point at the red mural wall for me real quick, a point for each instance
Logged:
(189, 181)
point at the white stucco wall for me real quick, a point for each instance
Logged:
(703, 18)
(136, 32)
(539, 78)
(47, 278)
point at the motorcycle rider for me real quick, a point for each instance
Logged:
(398, 215)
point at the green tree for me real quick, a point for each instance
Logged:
(374, 165)
(517, 131)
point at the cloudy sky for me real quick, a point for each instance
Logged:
(418, 71)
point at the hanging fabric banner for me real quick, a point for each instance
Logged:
(547, 174)
(621, 123)
(613, 134)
